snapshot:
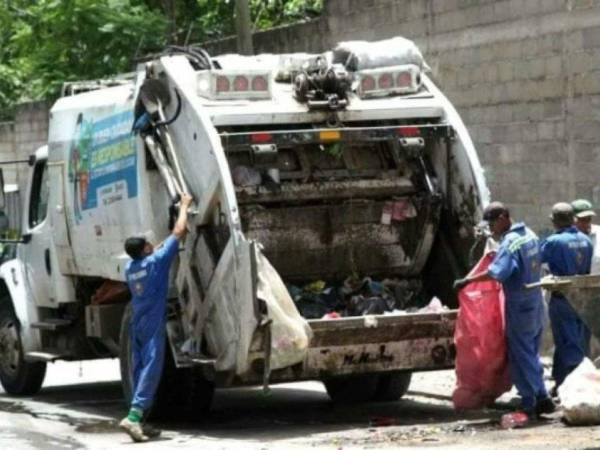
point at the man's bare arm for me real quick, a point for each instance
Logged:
(180, 228)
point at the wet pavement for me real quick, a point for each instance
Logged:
(81, 405)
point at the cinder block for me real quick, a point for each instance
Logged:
(535, 68)
(505, 71)
(553, 67)
(591, 37)
(545, 130)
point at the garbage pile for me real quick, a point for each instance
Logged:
(360, 297)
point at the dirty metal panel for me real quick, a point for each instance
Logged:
(294, 193)
(332, 241)
(417, 354)
(382, 343)
(380, 329)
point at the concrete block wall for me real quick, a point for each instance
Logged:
(523, 75)
(7, 150)
(18, 140)
(31, 132)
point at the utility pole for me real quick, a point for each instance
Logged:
(242, 27)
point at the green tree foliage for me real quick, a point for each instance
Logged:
(44, 43)
(217, 20)
(47, 42)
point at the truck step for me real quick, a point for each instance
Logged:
(51, 324)
(43, 356)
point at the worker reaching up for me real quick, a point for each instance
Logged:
(517, 263)
(148, 280)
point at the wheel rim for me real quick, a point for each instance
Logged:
(10, 348)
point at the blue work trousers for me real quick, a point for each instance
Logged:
(524, 327)
(571, 338)
(148, 355)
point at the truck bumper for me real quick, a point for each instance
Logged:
(370, 344)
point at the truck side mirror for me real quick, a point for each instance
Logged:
(2, 195)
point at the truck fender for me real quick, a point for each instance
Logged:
(11, 273)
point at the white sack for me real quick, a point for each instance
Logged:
(290, 332)
(580, 395)
(397, 51)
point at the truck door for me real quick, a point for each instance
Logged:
(35, 254)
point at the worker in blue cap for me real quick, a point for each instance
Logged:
(567, 252)
(147, 276)
(517, 263)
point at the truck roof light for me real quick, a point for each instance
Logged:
(367, 83)
(385, 81)
(222, 84)
(249, 84)
(260, 138)
(403, 79)
(259, 83)
(240, 83)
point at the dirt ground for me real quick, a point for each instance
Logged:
(81, 404)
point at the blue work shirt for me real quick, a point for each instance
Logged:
(517, 262)
(568, 252)
(148, 281)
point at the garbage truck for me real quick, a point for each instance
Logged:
(348, 170)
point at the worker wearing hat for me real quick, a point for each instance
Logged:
(584, 214)
(517, 263)
(567, 252)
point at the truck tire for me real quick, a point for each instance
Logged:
(18, 377)
(181, 391)
(352, 389)
(392, 386)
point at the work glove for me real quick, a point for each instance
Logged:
(460, 283)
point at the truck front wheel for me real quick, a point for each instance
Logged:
(352, 389)
(18, 376)
(392, 386)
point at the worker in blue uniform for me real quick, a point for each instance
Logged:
(147, 276)
(517, 263)
(567, 252)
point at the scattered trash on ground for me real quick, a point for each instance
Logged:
(580, 395)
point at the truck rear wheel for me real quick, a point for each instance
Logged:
(352, 389)
(392, 386)
(18, 377)
(181, 391)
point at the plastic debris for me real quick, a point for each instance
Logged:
(315, 287)
(382, 421)
(332, 315)
(514, 420)
(434, 306)
(244, 176)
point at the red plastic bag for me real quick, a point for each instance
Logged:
(482, 373)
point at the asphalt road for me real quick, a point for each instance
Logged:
(81, 405)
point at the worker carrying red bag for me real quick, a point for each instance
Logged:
(482, 373)
(516, 264)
